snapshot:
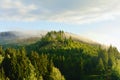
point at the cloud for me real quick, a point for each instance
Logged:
(67, 11)
(107, 35)
(16, 10)
(106, 39)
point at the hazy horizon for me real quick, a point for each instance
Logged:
(98, 20)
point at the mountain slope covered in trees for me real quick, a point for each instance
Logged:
(57, 57)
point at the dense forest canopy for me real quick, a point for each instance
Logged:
(55, 57)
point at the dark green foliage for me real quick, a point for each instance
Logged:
(100, 66)
(2, 74)
(40, 63)
(1, 51)
(16, 66)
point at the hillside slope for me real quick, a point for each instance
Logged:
(78, 60)
(57, 56)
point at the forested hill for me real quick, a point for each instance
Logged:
(57, 57)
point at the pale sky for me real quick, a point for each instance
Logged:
(98, 20)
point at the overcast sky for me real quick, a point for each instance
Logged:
(98, 20)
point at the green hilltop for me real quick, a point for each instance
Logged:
(58, 57)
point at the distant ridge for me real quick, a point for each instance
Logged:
(19, 37)
(27, 37)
